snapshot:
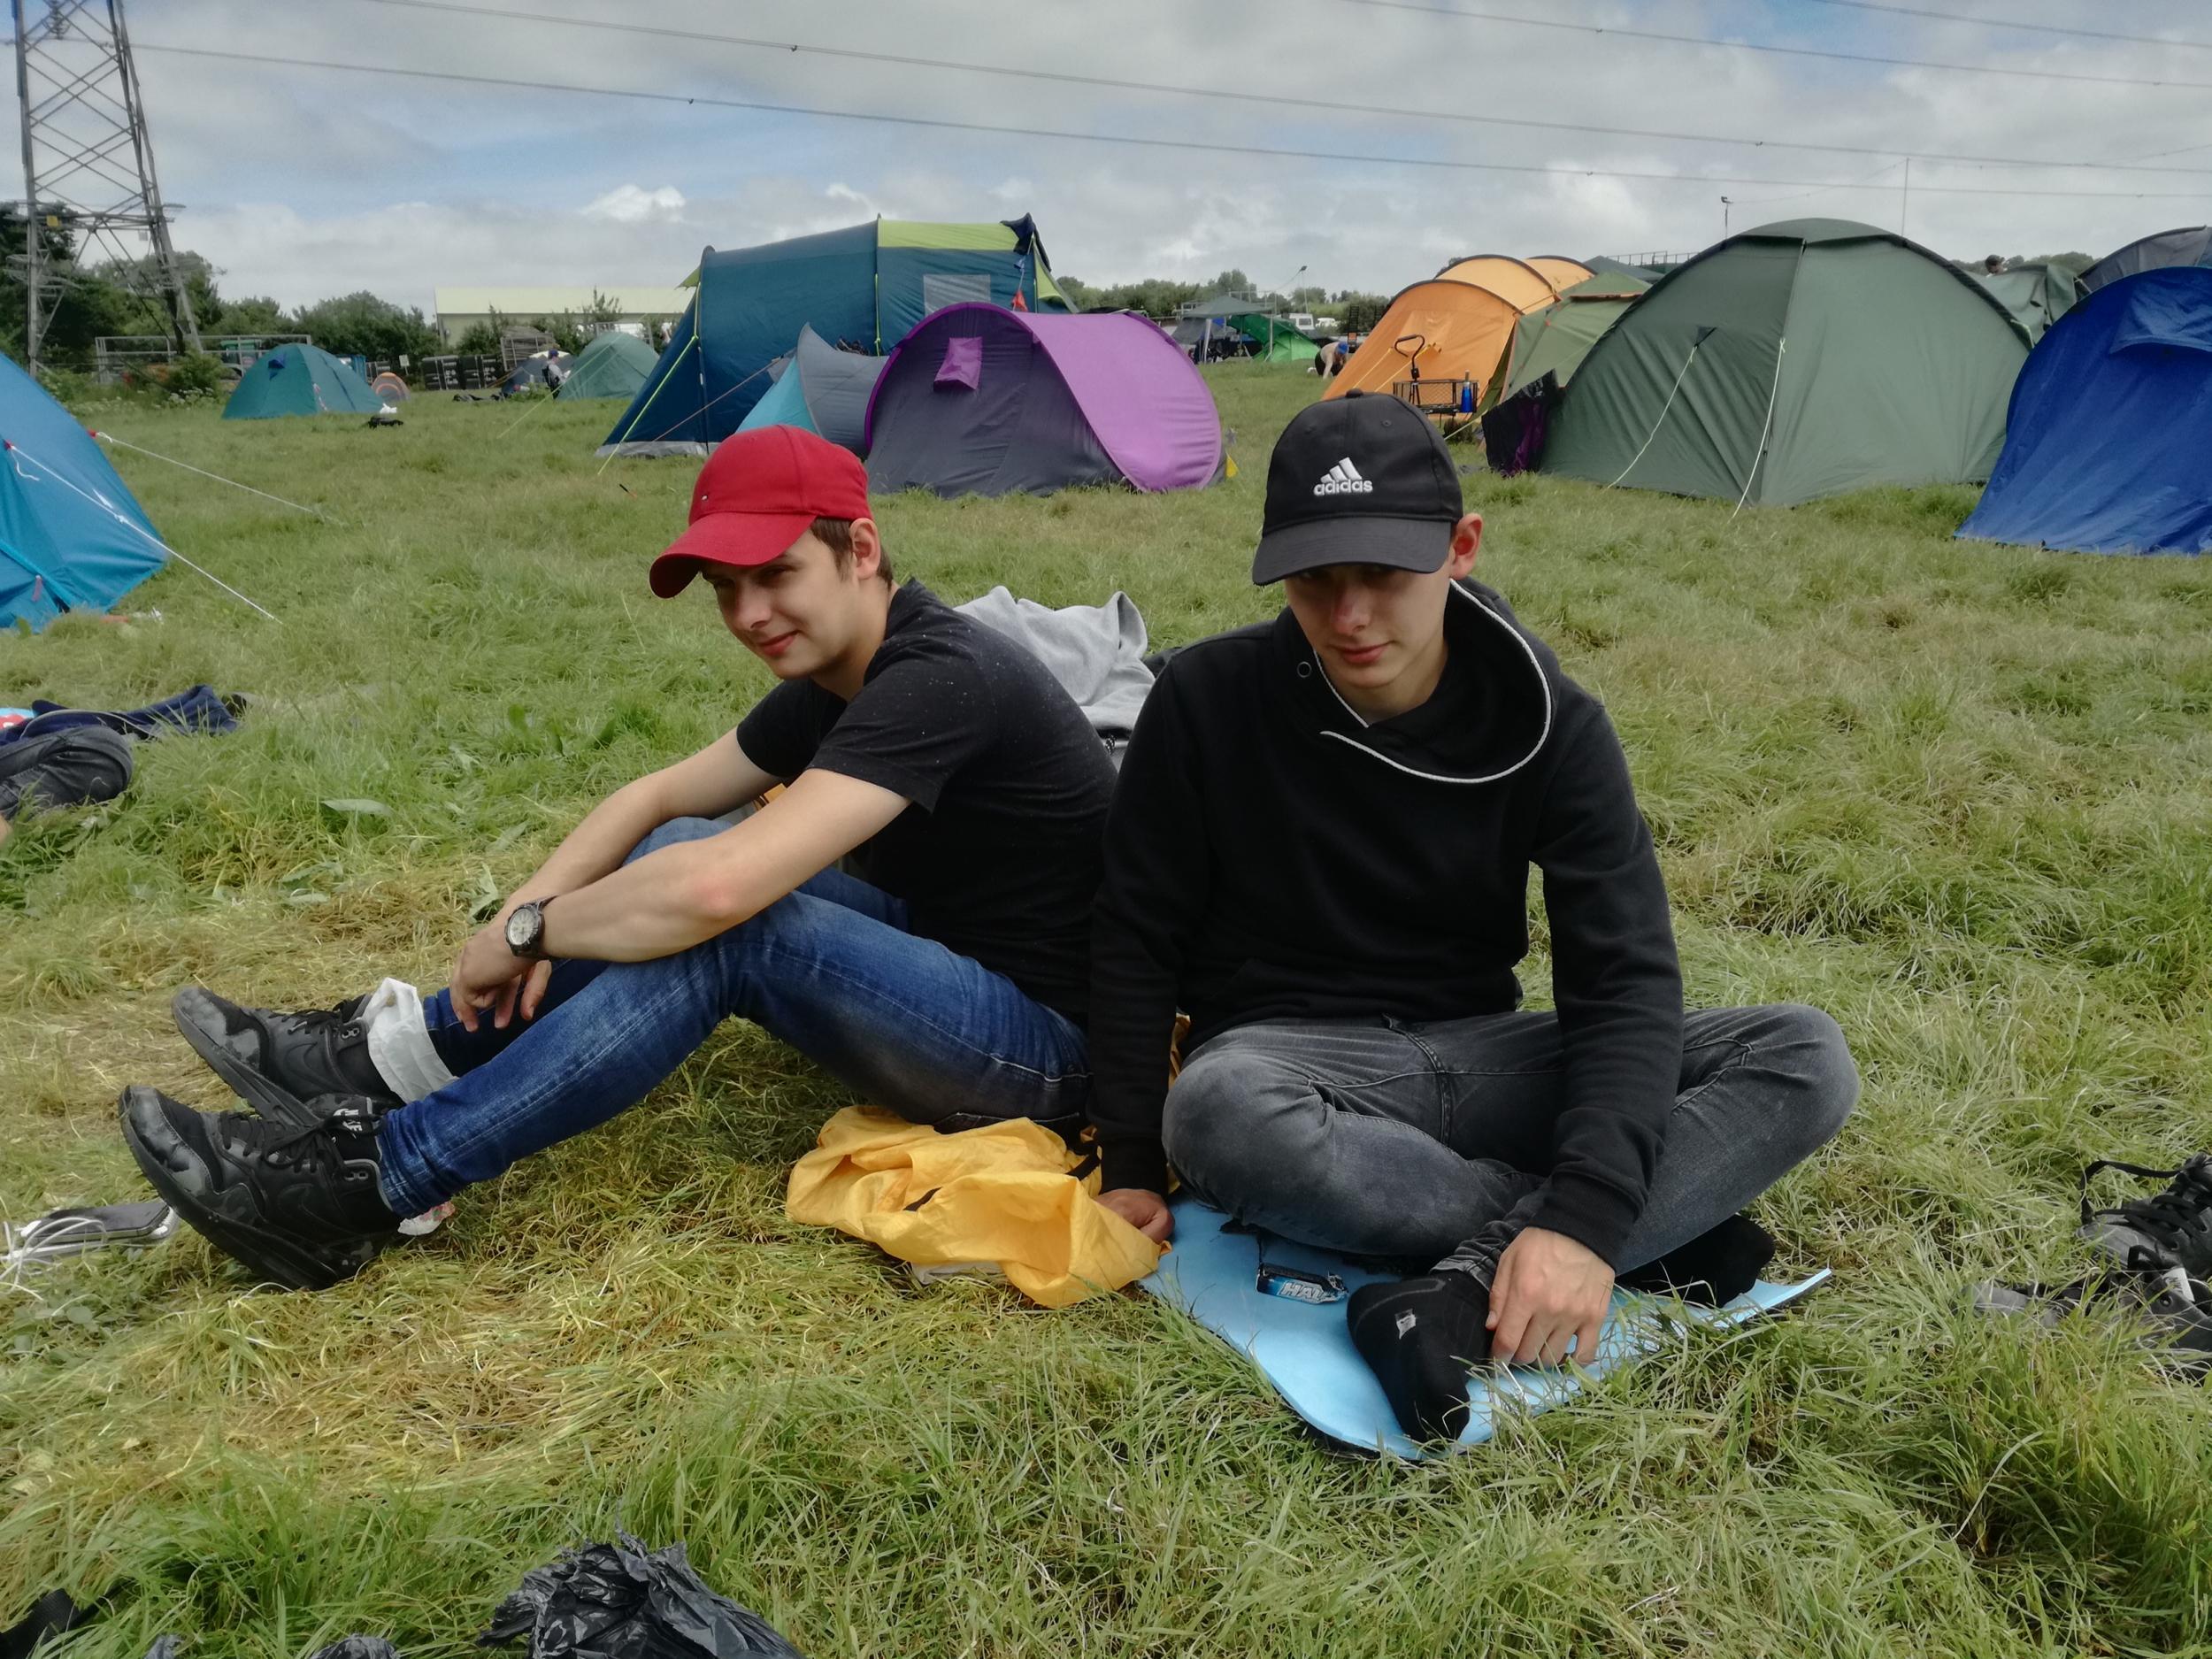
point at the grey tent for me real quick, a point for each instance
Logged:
(2036, 294)
(2191, 245)
(821, 388)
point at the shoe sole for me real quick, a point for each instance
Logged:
(200, 1023)
(188, 1190)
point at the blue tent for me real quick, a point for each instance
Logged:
(2107, 441)
(863, 287)
(822, 390)
(72, 538)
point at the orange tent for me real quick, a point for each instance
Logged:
(1458, 326)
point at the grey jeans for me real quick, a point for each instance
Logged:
(1385, 1138)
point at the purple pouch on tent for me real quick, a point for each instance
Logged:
(963, 365)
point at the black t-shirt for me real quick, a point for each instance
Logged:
(998, 856)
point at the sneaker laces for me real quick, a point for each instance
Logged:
(2175, 1219)
(314, 1147)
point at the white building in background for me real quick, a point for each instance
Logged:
(459, 307)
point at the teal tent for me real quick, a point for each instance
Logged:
(298, 379)
(71, 537)
(865, 287)
(613, 364)
(822, 390)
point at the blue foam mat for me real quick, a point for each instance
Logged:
(1306, 1354)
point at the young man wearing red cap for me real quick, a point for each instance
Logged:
(1319, 849)
(949, 985)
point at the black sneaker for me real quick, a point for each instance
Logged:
(299, 1205)
(1422, 1337)
(279, 1062)
(2168, 1232)
(2169, 1312)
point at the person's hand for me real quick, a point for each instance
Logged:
(533, 988)
(1548, 1289)
(1146, 1211)
(488, 975)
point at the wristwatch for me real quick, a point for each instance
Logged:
(526, 928)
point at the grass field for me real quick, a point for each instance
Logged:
(1961, 796)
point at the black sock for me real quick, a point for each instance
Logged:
(1715, 1267)
(1422, 1336)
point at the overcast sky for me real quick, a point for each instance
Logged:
(304, 182)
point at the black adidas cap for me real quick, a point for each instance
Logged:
(1359, 480)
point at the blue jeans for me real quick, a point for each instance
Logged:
(830, 968)
(1385, 1138)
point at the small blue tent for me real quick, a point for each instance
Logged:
(2107, 441)
(299, 380)
(863, 287)
(822, 390)
(72, 538)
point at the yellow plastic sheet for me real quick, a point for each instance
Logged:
(1001, 1194)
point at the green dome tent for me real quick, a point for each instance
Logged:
(1556, 339)
(297, 379)
(2036, 294)
(1791, 361)
(612, 365)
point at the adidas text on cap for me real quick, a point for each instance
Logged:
(1358, 479)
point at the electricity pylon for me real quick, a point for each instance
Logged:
(88, 165)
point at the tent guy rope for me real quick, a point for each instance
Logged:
(109, 437)
(18, 454)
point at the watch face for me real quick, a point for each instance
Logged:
(522, 930)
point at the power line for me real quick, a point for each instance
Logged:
(1831, 54)
(707, 101)
(856, 53)
(2005, 23)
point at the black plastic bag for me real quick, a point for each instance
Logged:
(357, 1647)
(621, 1601)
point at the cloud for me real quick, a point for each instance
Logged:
(303, 182)
(627, 204)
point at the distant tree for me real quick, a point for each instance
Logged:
(1229, 282)
(1308, 299)
(258, 315)
(568, 333)
(601, 314)
(1357, 313)
(362, 324)
(87, 307)
(1077, 292)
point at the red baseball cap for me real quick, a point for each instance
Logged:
(757, 492)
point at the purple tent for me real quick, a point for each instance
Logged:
(980, 401)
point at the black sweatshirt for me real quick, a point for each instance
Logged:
(1270, 855)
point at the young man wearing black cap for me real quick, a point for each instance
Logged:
(949, 985)
(1319, 849)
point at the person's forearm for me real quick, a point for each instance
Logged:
(666, 902)
(599, 844)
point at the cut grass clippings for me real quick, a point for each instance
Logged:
(1959, 794)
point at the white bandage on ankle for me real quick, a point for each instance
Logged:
(399, 1043)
